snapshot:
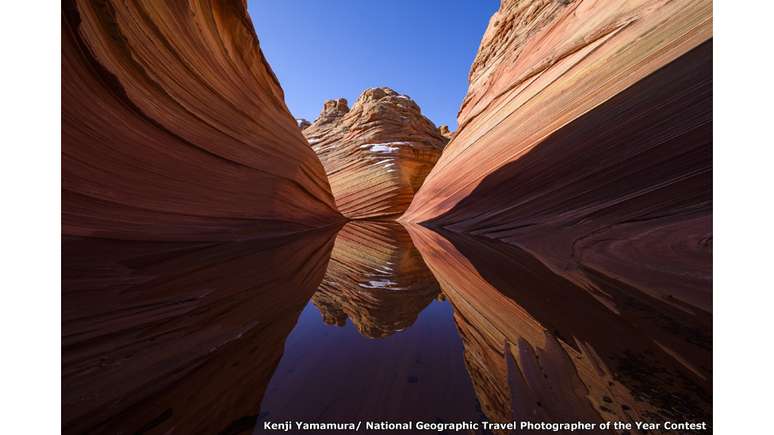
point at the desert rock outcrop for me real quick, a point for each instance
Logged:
(376, 154)
(445, 132)
(586, 138)
(174, 127)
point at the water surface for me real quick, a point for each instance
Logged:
(372, 321)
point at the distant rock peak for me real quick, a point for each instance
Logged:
(384, 139)
(443, 129)
(332, 110)
(377, 94)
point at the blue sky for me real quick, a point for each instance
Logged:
(324, 49)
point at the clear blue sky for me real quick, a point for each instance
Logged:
(324, 49)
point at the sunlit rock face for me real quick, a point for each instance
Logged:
(540, 347)
(376, 278)
(175, 128)
(586, 138)
(377, 154)
(179, 337)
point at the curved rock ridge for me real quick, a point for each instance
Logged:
(376, 154)
(586, 138)
(544, 63)
(376, 278)
(538, 346)
(174, 127)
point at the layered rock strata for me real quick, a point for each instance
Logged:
(376, 278)
(174, 127)
(539, 347)
(586, 138)
(377, 154)
(162, 337)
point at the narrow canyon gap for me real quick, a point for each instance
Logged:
(552, 259)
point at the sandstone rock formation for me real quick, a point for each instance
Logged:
(377, 154)
(586, 138)
(175, 128)
(444, 130)
(540, 347)
(376, 278)
(302, 123)
(179, 337)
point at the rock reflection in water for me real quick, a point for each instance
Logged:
(376, 278)
(178, 337)
(386, 348)
(416, 325)
(539, 347)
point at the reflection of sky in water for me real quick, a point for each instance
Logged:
(501, 345)
(334, 373)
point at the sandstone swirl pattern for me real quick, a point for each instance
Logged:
(586, 138)
(175, 128)
(377, 154)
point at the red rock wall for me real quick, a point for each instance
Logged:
(586, 138)
(175, 128)
(376, 155)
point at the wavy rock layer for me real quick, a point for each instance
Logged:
(174, 127)
(586, 138)
(376, 278)
(376, 155)
(539, 347)
(161, 337)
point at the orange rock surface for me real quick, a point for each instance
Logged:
(175, 128)
(586, 138)
(377, 154)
